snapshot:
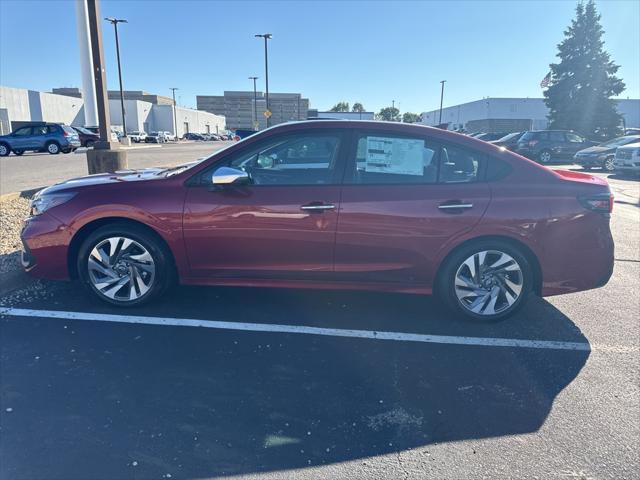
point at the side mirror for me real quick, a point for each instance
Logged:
(228, 176)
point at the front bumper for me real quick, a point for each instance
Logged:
(45, 247)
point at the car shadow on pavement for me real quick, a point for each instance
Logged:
(93, 399)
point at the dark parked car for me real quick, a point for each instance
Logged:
(603, 155)
(508, 141)
(546, 146)
(43, 137)
(487, 137)
(333, 204)
(87, 137)
(193, 136)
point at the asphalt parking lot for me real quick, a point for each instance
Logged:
(268, 383)
(35, 170)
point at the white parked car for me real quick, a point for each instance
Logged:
(168, 136)
(137, 136)
(627, 159)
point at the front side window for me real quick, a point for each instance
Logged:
(297, 159)
(23, 132)
(573, 138)
(393, 159)
(556, 136)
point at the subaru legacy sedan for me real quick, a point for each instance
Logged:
(332, 204)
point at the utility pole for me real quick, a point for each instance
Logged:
(115, 22)
(255, 103)
(266, 37)
(442, 82)
(175, 116)
(105, 156)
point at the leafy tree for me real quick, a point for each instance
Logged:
(390, 114)
(340, 107)
(357, 107)
(409, 117)
(584, 80)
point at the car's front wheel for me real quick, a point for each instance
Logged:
(609, 164)
(124, 265)
(4, 150)
(544, 156)
(486, 280)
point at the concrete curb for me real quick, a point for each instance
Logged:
(5, 197)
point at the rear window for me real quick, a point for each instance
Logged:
(68, 129)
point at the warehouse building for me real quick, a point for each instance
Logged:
(18, 106)
(315, 114)
(511, 114)
(242, 112)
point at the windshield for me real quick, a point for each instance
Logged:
(616, 142)
(509, 136)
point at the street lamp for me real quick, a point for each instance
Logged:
(115, 22)
(255, 103)
(266, 37)
(442, 82)
(175, 121)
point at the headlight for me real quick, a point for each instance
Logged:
(42, 203)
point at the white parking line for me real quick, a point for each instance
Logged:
(275, 328)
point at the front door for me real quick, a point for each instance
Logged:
(22, 138)
(282, 224)
(404, 198)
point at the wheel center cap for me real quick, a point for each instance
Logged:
(121, 268)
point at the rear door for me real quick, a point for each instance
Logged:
(403, 199)
(283, 224)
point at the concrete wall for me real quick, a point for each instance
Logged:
(532, 109)
(18, 104)
(28, 105)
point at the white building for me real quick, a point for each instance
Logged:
(21, 105)
(511, 114)
(313, 114)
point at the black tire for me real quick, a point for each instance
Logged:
(89, 143)
(545, 156)
(67, 150)
(18, 152)
(164, 271)
(52, 148)
(445, 283)
(586, 167)
(5, 149)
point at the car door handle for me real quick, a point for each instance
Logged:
(454, 205)
(318, 207)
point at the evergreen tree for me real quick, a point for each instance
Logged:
(583, 82)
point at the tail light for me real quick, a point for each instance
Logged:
(601, 203)
(65, 133)
(533, 143)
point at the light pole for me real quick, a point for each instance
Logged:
(175, 116)
(266, 37)
(255, 103)
(442, 82)
(115, 22)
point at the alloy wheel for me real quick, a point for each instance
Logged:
(609, 164)
(545, 157)
(488, 282)
(121, 269)
(4, 151)
(53, 148)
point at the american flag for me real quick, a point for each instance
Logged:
(546, 81)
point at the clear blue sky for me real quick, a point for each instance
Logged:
(372, 52)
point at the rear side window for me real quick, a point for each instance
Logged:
(458, 165)
(391, 159)
(556, 136)
(40, 130)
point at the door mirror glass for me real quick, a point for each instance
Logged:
(266, 161)
(228, 176)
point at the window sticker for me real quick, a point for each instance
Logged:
(401, 156)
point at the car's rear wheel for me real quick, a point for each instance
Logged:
(545, 156)
(609, 164)
(4, 150)
(18, 152)
(486, 280)
(89, 143)
(53, 148)
(124, 265)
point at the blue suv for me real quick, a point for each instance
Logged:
(42, 137)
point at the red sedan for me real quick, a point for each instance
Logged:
(333, 204)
